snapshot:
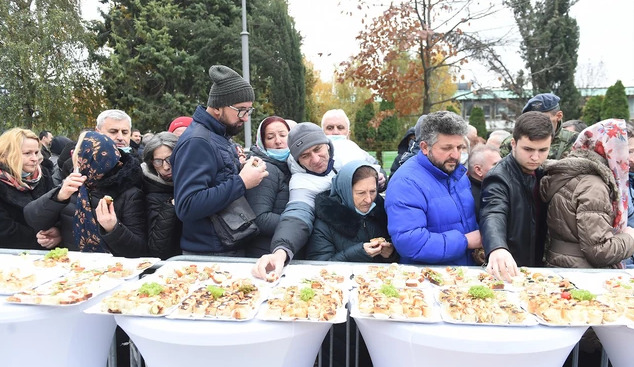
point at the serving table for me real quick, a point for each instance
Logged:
(170, 342)
(53, 336)
(448, 345)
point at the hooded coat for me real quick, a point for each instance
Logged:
(403, 148)
(268, 200)
(128, 238)
(581, 189)
(340, 231)
(164, 227)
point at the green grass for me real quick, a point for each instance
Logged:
(388, 158)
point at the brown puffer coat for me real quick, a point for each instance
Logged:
(580, 190)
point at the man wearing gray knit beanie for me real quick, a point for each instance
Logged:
(206, 171)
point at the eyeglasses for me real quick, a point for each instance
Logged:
(159, 162)
(243, 111)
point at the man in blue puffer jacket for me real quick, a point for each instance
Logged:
(430, 209)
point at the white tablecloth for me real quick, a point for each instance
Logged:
(617, 342)
(168, 343)
(53, 336)
(447, 345)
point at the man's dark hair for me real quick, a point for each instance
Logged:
(442, 122)
(533, 125)
(135, 130)
(44, 133)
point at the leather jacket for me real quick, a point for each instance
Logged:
(509, 216)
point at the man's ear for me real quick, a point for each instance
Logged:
(477, 169)
(424, 148)
(513, 144)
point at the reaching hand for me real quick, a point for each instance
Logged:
(502, 265)
(269, 263)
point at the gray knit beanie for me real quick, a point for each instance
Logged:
(229, 88)
(303, 136)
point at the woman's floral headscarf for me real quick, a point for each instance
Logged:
(608, 138)
(97, 156)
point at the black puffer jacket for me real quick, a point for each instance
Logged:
(340, 232)
(128, 238)
(508, 217)
(268, 200)
(164, 227)
(14, 230)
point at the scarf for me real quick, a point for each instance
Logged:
(97, 156)
(608, 139)
(28, 183)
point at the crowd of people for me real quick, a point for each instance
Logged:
(549, 193)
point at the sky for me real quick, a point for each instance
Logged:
(606, 38)
(606, 44)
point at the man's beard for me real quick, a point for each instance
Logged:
(441, 165)
(231, 130)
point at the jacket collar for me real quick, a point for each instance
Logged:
(203, 117)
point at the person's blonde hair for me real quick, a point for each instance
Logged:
(11, 150)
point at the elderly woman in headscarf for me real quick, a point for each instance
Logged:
(164, 227)
(351, 223)
(22, 180)
(587, 191)
(100, 206)
(269, 198)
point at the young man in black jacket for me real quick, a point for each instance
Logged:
(512, 216)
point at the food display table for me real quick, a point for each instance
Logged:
(53, 336)
(617, 341)
(447, 345)
(168, 343)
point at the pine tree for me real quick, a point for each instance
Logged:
(477, 120)
(550, 41)
(615, 103)
(592, 110)
(162, 50)
(364, 134)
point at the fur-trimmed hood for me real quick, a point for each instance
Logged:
(154, 183)
(577, 163)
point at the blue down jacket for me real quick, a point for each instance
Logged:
(429, 212)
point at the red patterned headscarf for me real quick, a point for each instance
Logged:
(608, 139)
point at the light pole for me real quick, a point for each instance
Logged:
(245, 69)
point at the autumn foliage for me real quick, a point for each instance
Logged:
(406, 59)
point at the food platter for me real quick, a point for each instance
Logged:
(403, 304)
(480, 305)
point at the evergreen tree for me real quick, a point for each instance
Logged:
(161, 51)
(364, 134)
(42, 67)
(592, 110)
(550, 41)
(614, 104)
(477, 120)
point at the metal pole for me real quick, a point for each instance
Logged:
(245, 69)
